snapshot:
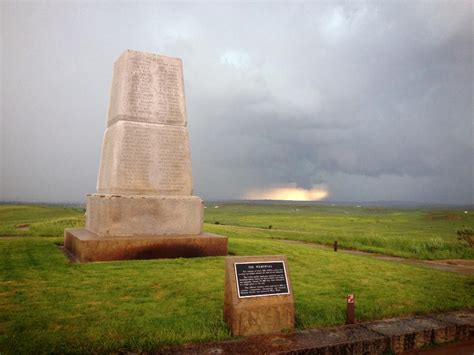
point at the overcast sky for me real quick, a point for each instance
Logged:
(367, 101)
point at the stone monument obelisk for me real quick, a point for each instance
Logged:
(144, 207)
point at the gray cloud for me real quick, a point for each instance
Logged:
(373, 100)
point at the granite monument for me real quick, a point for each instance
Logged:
(144, 207)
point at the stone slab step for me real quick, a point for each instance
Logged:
(396, 335)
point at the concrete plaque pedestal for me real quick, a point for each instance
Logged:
(253, 315)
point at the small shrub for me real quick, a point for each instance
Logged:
(79, 209)
(466, 235)
(434, 244)
(415, 249)
(217, 222)
(270, 226)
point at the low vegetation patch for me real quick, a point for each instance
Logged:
(467, 235)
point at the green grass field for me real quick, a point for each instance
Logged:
(41, 221)
(50, 305)
(413, 233)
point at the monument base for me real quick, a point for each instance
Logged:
(135, 215)
(86, 246)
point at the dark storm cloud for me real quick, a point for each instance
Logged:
(372, 100)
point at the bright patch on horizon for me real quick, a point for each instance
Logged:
(288, 193)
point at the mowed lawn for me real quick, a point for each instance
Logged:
(50, 305)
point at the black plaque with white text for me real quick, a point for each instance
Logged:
(266, 278)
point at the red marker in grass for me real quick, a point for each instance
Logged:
(350, 314)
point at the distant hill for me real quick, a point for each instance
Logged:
(399, 204)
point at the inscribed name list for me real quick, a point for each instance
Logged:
(147, 88)
(139, 158)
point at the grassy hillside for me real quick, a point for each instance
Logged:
(37, 220)
(50, 305)
(415, 233)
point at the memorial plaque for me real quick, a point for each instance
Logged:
(258, 298)
(261, 279)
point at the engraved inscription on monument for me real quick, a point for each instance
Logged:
(148, 88)
(135, 158)
(261, 279)
(146, 159)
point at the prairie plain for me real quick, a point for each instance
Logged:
(51, 305)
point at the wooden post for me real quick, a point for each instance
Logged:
(350, 312)
(335, 245)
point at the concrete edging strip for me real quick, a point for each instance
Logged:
(396, 335)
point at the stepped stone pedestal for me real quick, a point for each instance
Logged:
(144, 207)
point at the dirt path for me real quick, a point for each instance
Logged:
(460, 266)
